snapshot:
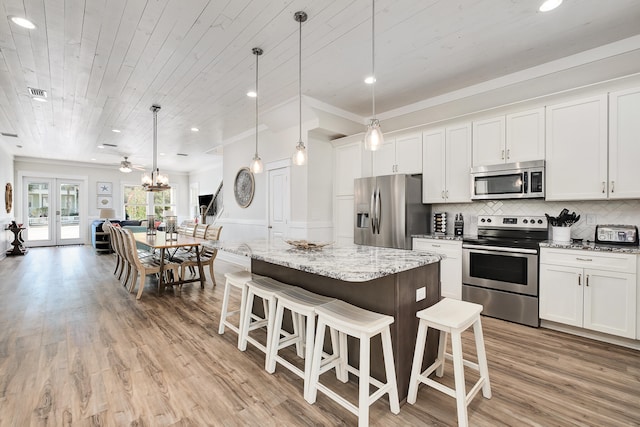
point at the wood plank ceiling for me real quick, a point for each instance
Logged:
(103, 63)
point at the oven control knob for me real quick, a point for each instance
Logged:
(482, 220)
(539, 221)
(488, 219)
(526, 221)
(533, 221)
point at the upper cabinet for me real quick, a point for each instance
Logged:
(576, 167)
(512, 138)
(446, 161)
(348, 167)
(624, 144)
(401, 154)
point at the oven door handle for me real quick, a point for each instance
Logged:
(500, 249)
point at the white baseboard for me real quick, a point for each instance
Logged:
(598, 336)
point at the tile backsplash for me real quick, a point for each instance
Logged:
(602, 212)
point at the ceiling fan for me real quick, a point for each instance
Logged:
(126, 166)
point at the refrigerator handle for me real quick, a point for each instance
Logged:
(378, 210)
(372, 211)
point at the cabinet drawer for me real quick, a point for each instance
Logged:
(450, 248)
(621, 263)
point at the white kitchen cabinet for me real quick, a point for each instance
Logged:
(348, 165)
(450, 267)
(401, 154)
(576, 150)
(347, 161)
(592, 291)
(624, 144)
(446, 162)
(516, 137)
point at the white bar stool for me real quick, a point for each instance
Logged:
(267, 289)
(450, 317)
(237, 280)
(302, 305)
(363, 325)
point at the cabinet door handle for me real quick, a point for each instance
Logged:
(508, 153)
(587, 282)
(447, 193)
(613, 186)
(603, 186)
(584, 259)
(435, 246)
(579, 279)
(442, 194)
(502, 155)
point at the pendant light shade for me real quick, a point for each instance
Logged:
(373, 139)
(155, 181)
(256, 163)
(300, 155)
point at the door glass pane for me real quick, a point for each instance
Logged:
(502, 184)
(38, 211)
(503, 268)
(69, 216)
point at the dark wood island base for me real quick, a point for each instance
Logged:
(394, 295)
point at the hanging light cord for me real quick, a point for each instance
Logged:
(373, 55)
(257, 55)
(300, 80)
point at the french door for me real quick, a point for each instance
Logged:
(54, 211)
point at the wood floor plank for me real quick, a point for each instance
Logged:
(76, 348)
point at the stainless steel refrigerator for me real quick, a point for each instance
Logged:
(389, 211)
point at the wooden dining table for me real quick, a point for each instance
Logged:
(160, 241)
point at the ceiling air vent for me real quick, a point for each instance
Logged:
(182, 154)
(37, 92)
(109, 145)
(12, 135)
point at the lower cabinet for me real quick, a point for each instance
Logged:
(450, 267)
(591, 291)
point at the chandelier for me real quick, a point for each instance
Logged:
(155, 181)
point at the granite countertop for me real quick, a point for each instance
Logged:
(437, 236)
(591, 246)
(351, 263)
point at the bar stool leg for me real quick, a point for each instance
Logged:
(482, 358)
(363, 384)
(442, 347)
(343, 349)
(225, 307)
(458, 372)
(308, 353)
(315, 363)
(390, 371)
(246, 315)
(416, 368)
(275, 340)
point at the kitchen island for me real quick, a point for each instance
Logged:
(383, 280)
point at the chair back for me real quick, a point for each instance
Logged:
(129, 247)
(187, 229)
(201, 231)
(213, 233)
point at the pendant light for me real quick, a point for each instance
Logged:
(373, 139)
(256, 163)
(155, 181)
(300, 155)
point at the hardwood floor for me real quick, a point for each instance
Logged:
(77, 349)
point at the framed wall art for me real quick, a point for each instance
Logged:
(244, 187)
(104, 188)
(105, 202)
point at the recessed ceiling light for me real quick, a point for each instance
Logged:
(37, 98)
(370, 80)
(93, 160)
(195, 130)
(100, 146)
(162, 154)
(23, 22)
(549, 5)
(115, 130)
(252, 94)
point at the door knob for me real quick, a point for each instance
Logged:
(269, 227)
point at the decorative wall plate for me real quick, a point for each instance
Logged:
(244, 187)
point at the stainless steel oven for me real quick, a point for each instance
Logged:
(500, 267)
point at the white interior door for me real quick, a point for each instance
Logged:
(278, 202)
(53, 211)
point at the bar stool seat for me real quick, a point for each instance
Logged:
(451, 317)
(363, 325)
(302, 304)
(236, 280)
(267, 289)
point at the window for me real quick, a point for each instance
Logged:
(135, 202)
(163, 201)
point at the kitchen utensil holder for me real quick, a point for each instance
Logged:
(561, 234)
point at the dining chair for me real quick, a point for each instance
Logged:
(208, 254)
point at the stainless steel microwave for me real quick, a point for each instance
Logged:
(523, 180)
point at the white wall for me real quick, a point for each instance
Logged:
(95, 173)
(6, 176)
